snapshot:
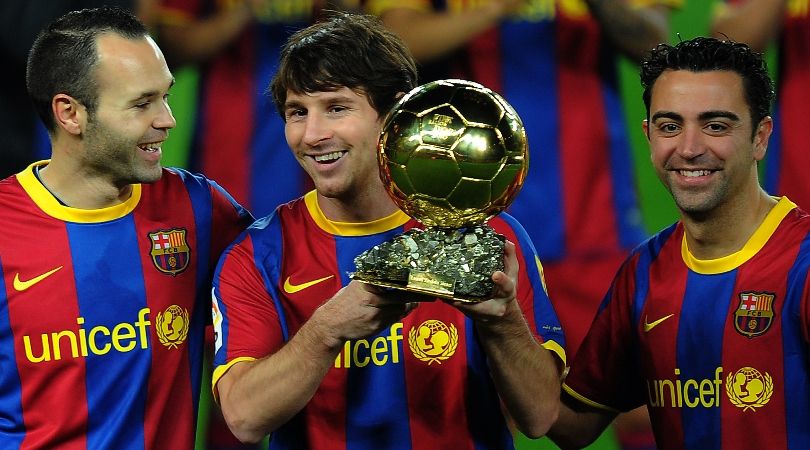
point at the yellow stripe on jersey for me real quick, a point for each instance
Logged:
(352, 229)
(751, 248)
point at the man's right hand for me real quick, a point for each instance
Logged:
(360, 310)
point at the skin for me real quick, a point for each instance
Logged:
(97, 157)
(755, 22)
(702, 149)
(333, 134)
(198, 39)
(430, 35)
(342, 126)
(259, 396)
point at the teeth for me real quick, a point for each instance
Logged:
(694, 173)
(151, 147)
(329, 156)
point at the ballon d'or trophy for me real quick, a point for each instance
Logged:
(452, 155)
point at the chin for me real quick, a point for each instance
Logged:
(330, 190)
(150, 176)
(695, 208)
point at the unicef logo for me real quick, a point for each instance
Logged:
(748, 389)
(172, 326)
(433, 341)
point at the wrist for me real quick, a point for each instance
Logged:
(320, 334)
(502, 323)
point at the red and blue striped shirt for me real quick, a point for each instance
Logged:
(718, 350)
(422, 383)
(102, 312)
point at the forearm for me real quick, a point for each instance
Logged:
(577, 428)
(258, 397)
(755, 22)
(199, 41)
(633, 31)
(432, 35)
(526, 375)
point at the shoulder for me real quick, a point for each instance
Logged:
(194, 183)
(655, 243)
(284, 220)
(178, 175)
(506, 223)
(513, 230)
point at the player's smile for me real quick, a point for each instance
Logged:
(152, 150)
(694, 173)
(328, 158)
(693, 177)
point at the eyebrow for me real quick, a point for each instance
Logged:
(339, 98)
(707, 115)
(667, 115)
(148, 94)
(704, 116)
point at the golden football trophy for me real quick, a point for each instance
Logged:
(452, 155)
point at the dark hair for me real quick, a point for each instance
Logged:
(64, 56)
(704, 54)
(346, 50)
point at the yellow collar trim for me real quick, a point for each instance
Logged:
(754, 244)
(50, 206)
(348, 228)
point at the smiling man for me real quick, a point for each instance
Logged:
(106, 257)
(706, 323)
(323, 362)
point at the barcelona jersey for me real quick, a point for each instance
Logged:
(717, 349)
(422, 383)
(102, 312)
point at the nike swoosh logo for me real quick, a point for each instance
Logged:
(21, 285)
(650, 326)
(293, 288)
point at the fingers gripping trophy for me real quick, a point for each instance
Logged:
(452, 155)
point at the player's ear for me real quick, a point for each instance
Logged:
(763, 133)
(69, 114)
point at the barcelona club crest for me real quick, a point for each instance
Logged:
(754, 315)
(170, 251)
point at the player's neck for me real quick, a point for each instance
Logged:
(360, 208)
(728, 229)
(73, 186)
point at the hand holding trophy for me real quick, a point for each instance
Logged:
(452, 154)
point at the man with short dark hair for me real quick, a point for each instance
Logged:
(705, 323)
(105, 256)
(324, 362)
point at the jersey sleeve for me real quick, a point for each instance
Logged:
(229, 219)
(532, 294)
(605, 373)
(245, 315)
(805, 309)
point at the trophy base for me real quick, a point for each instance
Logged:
(438, 292)
(452, 264)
